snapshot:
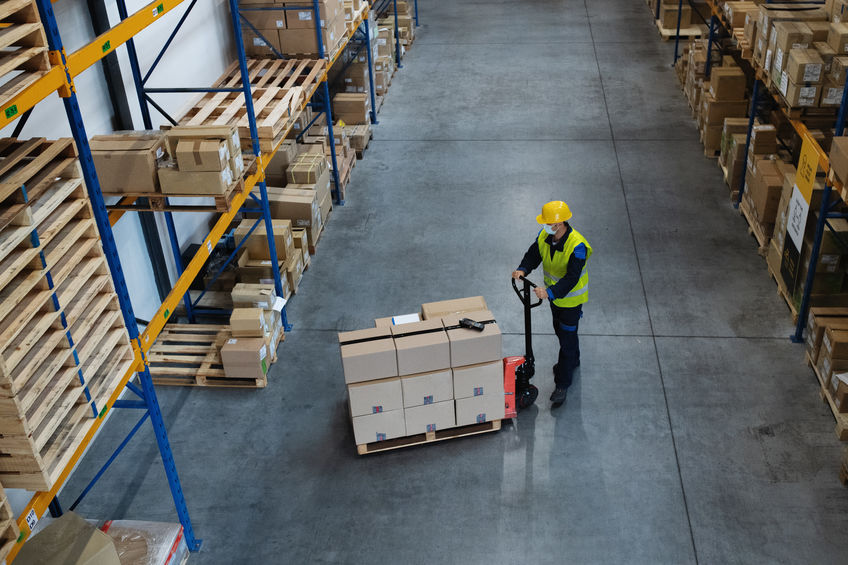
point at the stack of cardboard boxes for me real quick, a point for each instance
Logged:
(185, 160)
(256, 328)
(668, 14)
(292, 31)
(422, 373)
(723, 97)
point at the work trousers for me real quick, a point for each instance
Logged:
(566, 321)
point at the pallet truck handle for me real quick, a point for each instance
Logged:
(527, 284)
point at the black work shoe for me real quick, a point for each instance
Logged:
(558, 396)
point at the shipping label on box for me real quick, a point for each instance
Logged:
(479, 409)
(478, 380)
(427, 388)
(421, 347)
(469, 346)
(378, 427)
(373, 397)
(430, 417)
(368, 354)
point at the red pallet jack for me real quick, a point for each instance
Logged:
(518, 371)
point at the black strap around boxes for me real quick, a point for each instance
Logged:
(457, 327)
(420, 332)
(364, 340)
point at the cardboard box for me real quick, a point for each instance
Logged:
(831, 95)
(264, 46)
(245, 358)
(328, 10)
(227, 133)
(435, 310)
(800, 95)
(265, 20)
(763, 139)
(827, 54)
(69, 540)
(804, 66)
(838, 37)
(839, 69)
(294, 270)
(480, 409)
(835, 344)
(257, 242)
(373, 397)
(469, 346)
(307, 168)
(839, 391)
(303, 41)
(828, 367)
(253, 295)
(195, 183)
(368, 355)
(668, 15)
(839, 158)
(766, 190)
(788, 35)
(202, 155)
(714, 112)
(261, 271)
(127, 161)
(727, 83)
(302, 209)
(430, 417)
(301, 243)
(427, 388)
(815, 336)
(478, 380)
(421, 347)
(378, 427)
(352, 107)
(248, 322)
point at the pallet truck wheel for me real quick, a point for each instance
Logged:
(528, 397)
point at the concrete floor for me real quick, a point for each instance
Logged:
(693, 433)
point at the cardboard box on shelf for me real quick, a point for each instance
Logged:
(266, 20)
(254, 295)
(248, 322)
(127, 161)
(831, 94)
(727, 83)
(827, 54)
(303, 210)
(430, 417)
(202, 155)
(352, 107)
(261, 47)
(255, 270)
(800, 95)
(373, 397)
(307, 168)
(301, 243)
(839, 391)
(714, 112)
(229, 134)
(421, 347)
(839, 158)
(199, 183)
(478, 380)
(257, 241)
(815, 335)
(765, 190)
(668, 16)
(479, 409)
(838, 37)
(328, 10)
(368, 355)
(294, 270)
(427, 388)
(303, 41)
(763, 139)
(785, 36)
(382, 426)
(804, 66)
(434, 310)
(245, 358)
(469, 346)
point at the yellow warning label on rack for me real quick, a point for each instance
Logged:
(808, 164)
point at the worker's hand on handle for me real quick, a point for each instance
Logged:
(517, 274)
(541, 293)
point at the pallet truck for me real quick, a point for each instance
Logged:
(518, 370)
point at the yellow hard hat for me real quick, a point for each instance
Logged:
(554, 212)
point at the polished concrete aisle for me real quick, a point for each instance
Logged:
(693, 433)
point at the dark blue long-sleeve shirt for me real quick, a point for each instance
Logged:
(533, 258)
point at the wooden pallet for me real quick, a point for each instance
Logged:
(24, 47)
(824, 393)
(429, 437)
(9, 531)
(189, 355)
(688, 32)
(280, 91)
(755, 229)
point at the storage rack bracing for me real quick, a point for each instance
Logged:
(58, 76)
(717, 25)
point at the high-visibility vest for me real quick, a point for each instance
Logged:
(555, 268)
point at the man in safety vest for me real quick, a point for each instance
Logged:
(563, 254)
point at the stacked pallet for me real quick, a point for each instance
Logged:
(24, 48)
(9, 531)
(63, 344)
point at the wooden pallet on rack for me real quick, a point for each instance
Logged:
(189, 355)
(24, 47)
(280, 89)
(429, 437)
(688, 32)
(824, 393)
(158, 202)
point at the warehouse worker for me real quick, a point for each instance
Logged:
(563, 253)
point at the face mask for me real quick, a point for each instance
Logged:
(549, 230)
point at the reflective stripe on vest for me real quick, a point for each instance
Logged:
(556, 267)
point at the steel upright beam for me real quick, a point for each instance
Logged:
(803, 311)
(370, 56)
(752, 114)
(677, 36)
(397, 37)
(416, 14)
(110, 250)
(708, 65)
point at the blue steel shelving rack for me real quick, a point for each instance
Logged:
(716, 24)
(60, 79)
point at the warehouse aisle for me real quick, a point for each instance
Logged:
(693, 433)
